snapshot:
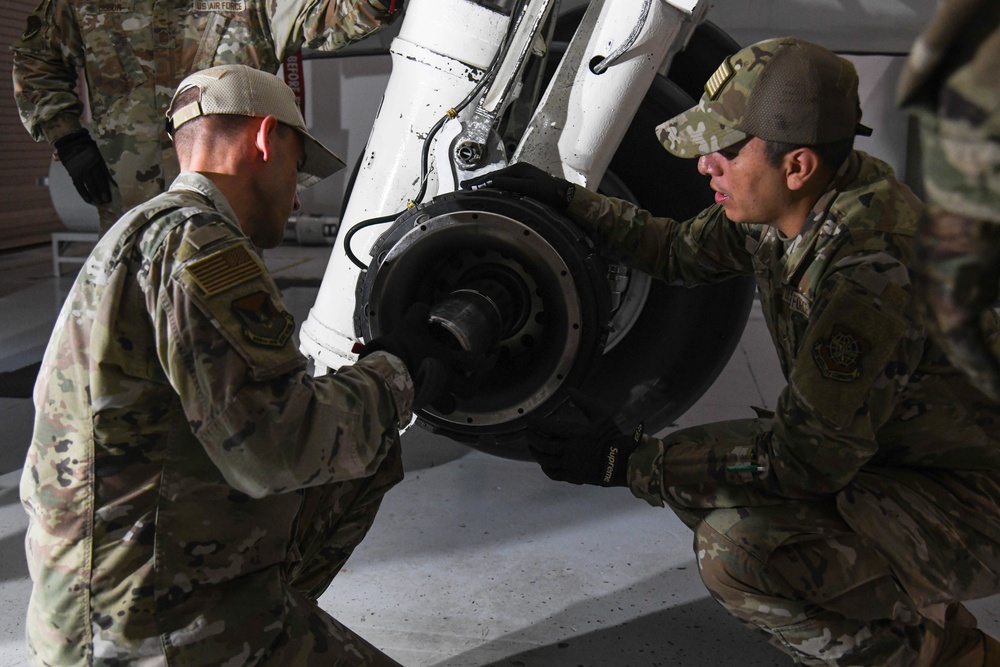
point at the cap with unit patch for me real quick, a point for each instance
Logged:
(784, 89)
(240, 90)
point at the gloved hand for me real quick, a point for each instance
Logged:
(587, 450)
(528, 180)
(79, 154)
(958, 281)
(436, 364)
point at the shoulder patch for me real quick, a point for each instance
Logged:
(839, 355)
(263, 323)
(224, 269)
(845, 351)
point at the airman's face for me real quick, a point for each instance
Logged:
(747, 186)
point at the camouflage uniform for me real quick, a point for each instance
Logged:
(951, 83)
(845, 523)
(191, 489)
(134, 54)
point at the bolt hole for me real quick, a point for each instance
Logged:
(594, 62)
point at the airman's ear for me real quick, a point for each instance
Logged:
(265, 135)
(802, 166)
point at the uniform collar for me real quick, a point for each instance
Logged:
(845, 175)
(799, 250)
(193, 181)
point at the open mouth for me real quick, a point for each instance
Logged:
(720, 197)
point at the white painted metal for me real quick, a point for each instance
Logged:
(439, 55)
(520, 48)
(583, 116)
(441, 51)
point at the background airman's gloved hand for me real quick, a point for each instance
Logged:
(83, 160)
(959, 280)
(528, 180)
(589, 449)
(435, 362)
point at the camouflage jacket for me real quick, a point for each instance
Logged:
(866, 387)
(175, 424)
(950, 82)
(134, 53)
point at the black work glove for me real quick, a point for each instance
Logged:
(585, 450)
(79, 154)
(435, 362)
(958, 281)
(528, 180)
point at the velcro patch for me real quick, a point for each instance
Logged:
(715, 83)
(839, 355)
(224, 269)
(845, 349)
(263, 323)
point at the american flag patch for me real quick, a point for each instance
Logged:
(718, 80)
(224, 269)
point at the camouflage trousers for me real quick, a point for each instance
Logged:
(822, 592)
(138, 175)
(333, 521)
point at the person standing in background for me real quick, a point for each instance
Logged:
(133, 55)
(951, 83)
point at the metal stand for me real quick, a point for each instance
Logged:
(60, 240)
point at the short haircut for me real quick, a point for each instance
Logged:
(830, 154)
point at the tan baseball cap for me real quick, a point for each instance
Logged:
(244, 91)
(784, 89)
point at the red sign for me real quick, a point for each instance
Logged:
(295, 78)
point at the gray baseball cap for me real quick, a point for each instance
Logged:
(784, 89)
(244, 91)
